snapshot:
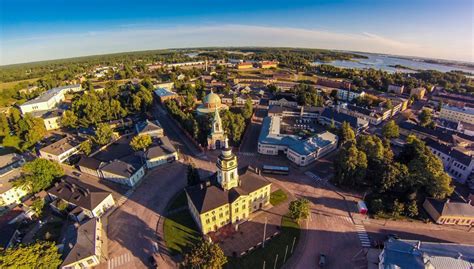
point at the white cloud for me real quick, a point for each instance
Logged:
(130, 38)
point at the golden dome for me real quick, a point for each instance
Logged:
(212, 100)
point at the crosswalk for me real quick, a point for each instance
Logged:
(247, 153)
(363, 236)
(124, 198)
(344, 219)
(314, 177)
(119, 260)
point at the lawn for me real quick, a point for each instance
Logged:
(179, 201)
(11, 84)
(180, 232)
(290, 231)
(277, 197)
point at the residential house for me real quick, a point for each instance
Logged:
(161, 152)
(127, 171)
(289, 100)
(151, 128)
(62, 149)
(449, 212)
(244, 65)
(88, 247)
(268, 64)
(83, 200)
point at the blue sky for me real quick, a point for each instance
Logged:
(39, 30)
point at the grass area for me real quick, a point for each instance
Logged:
(290, 231)
(11, 84)
(179, 201)
(180, 232)
(278, 197)
(50, 231)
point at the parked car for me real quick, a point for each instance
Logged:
(322, 260)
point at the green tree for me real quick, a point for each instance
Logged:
(69, 119)
(4, 126)
(103, 134)
(390, 130)
(350, 166)
(397, 208)
(40, 255)
(299, 209)
(86, 147)
(377, 206)
(140, 142)
(346, 134)
(425, 117)
(205, 255)
(247, 111)
(39, 174)
(37, 206)
(11, 141)
(412, 209)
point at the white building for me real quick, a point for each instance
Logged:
(161, 153)
(62, 149)
(125, 172)
(456, 114)
(348, 95)
(457, 164)
(300, 152)
(46, 101)
(49, 99)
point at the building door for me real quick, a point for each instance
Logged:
(260, 206)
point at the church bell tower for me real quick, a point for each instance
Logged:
(227, 174)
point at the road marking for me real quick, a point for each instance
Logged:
(119, 260)
(247, 153)
(363, 236)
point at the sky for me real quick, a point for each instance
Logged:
(34, 30)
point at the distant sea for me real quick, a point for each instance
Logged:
(387, 63)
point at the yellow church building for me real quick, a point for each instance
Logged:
(230, 197)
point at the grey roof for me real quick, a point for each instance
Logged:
(457, 155)
(270, 134)
(440, 133)
(78, 193)
(416, 254)
(46, 96)
(162, 92)
(339, 117)
(450, 208)
(125, 167)
(161, 147)
(206, 198)
(63, 145)
(148, 126)
(89, 162)
(117, 150)
(84, 245)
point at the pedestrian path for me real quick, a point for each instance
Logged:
(363, 236)
(120, 260)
